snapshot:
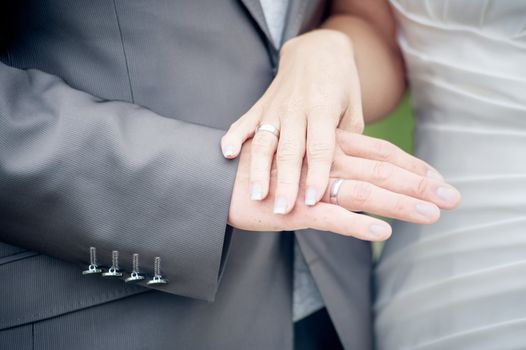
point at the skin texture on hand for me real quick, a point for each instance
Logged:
(316, 94)
(379, 178)
(315, 91)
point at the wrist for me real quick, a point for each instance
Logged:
(316, 40)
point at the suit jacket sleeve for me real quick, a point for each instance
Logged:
(78, 172)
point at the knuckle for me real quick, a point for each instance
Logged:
(421, 186)
(291, 106)
(292, 120)
(320, 151)
(289, 151)
(324, 94)
(262, 144)
(382, 171)
(400, 207)
(320, 108)
(288, 120)
(384, 150)
(318, 102)
(361, 192)
(285, 181)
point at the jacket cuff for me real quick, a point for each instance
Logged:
(187, 226)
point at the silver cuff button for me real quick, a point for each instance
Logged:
(135, 276)
(157, 279)
(92, 268)
(113, 271)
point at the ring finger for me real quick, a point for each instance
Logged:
(356, 195)
(264, 146)
(396, 179)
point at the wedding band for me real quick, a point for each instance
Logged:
(335, 188)
(268, 128)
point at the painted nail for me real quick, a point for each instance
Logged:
(229, 151)
(379, 230)
(427, 210)
(256, 192)
(434, 175)
(310, 196)
(448, 194)
(280, 206)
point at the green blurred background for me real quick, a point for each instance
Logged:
(398, 129)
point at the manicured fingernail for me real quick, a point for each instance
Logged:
(280, 206)
(256, 192)
(379, 230)
(427, 210)
(229, 151)
(448, 194)
(434, 175)
(310, 196)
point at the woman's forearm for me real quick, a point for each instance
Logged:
(378, 59)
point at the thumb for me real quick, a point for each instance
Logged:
(238, 133)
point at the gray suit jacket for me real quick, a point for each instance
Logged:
(111, 112)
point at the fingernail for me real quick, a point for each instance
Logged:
(448, 194)
(434, 175)
(280, 206)
(229, 151)
(427, 210)
(256, 192)
(310, 196)
(379, 230)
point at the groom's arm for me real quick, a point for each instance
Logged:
(79, 172)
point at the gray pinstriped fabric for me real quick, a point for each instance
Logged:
(110, 118)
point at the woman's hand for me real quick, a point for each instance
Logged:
(315, 91)
(379, 178)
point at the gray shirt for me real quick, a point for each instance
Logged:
(307, 298)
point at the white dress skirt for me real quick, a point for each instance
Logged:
(461, 283)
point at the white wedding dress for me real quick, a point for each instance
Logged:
(461, 283)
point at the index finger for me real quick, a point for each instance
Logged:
(377, 149)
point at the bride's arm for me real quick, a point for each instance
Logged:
(317, 89)
(372, 29)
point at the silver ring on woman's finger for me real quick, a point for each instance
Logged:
(268, 128)
(335, 188)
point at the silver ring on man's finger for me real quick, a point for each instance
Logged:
(335, 188)
(268, 128)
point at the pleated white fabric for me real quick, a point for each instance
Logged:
(461, 283)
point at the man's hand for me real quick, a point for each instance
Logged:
(379, 178)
